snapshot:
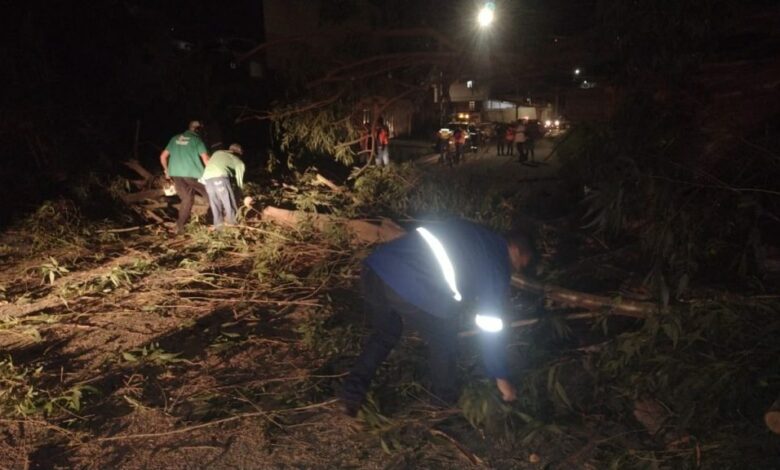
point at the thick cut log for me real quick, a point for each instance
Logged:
(363, 231)
(772, 417)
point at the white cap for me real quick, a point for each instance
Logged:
(236, 149)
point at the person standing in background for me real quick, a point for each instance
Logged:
(382, 146)
(509, 140)
(520, 138)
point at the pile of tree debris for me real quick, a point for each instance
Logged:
(130, 348)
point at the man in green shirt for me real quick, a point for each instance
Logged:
(217, 175)
(183, 160)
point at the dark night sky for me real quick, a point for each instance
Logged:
(90, 42)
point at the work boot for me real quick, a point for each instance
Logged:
(353, 394)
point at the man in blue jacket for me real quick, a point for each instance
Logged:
(424, 280)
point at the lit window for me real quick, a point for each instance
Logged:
(470, 84)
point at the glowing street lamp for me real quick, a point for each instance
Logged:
(486, 14)
(577, 71)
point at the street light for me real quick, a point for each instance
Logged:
(485, 16)
(576, 71)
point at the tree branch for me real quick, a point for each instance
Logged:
(309, 36)
(271, 115)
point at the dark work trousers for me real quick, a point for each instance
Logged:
(500, 146)
(530, 149)
(186, 189)
(458, 153)
(510, 146)
(443, 147)
(389, 315)
(521, 151)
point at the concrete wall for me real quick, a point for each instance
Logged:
(460, 92)
(499, 115)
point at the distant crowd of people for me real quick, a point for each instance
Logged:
(520, 136)
(452, 145)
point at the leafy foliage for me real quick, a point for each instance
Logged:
(56, 224)
(21, 395)
(638, 178)
(52, 270)
(694, 361)
(151, 354)
(322, 132)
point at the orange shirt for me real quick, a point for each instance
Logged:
(383, 137)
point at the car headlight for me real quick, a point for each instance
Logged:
(489, 323)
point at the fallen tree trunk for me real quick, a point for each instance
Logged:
(532, 321)
(386, 230)
(363, 231)
(618, 306)
(772, 417)
(383, 230)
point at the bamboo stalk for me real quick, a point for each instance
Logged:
(387, 230)
(532, 321)
(617, 305)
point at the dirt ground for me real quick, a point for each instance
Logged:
(138, 349)
(130, 348)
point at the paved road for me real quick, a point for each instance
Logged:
(499, 168)
(535, 187)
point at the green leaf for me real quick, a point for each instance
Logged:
(551, 378)
(529, 437)
(561, 392)
(525, 417)
(129, 357)
(672, 332)
(385, 447)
